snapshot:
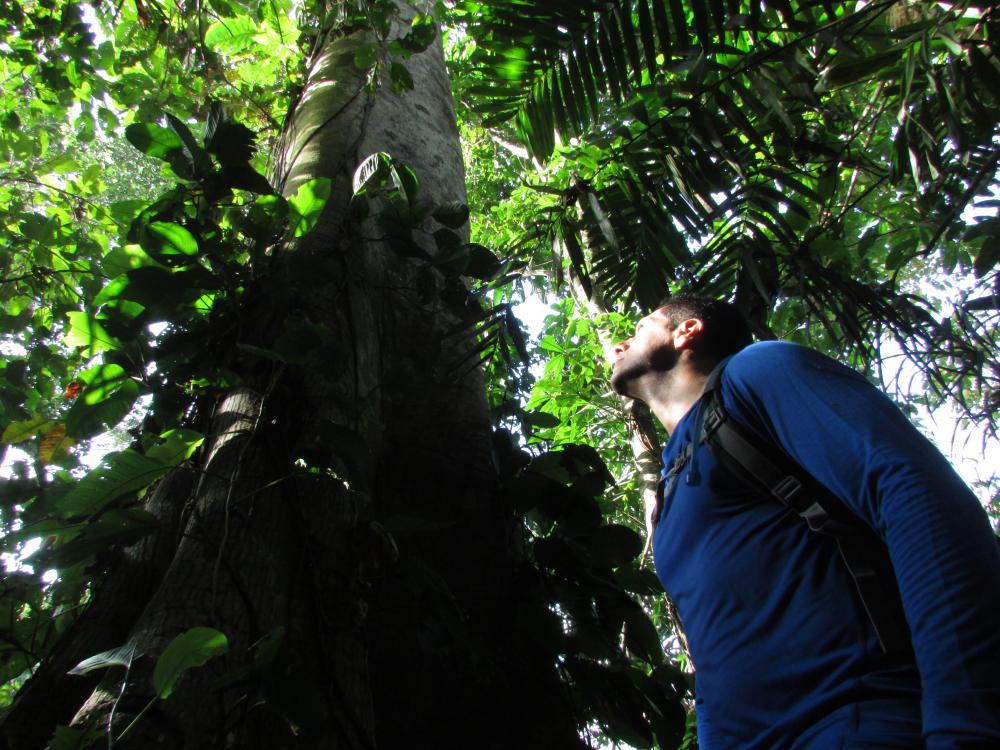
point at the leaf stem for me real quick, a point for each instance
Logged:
(132, 723)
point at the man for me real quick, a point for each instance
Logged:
(786, 656)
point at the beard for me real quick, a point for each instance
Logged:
(629, 372)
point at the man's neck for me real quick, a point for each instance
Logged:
(671, 395)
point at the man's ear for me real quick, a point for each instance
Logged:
(687, 333)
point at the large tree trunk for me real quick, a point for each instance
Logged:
(374, 599)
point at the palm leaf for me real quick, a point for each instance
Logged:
(752, 152)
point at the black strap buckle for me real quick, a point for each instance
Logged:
(786, 490)
(715, 417)
(817, 518)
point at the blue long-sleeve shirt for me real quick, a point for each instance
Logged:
(783, 649)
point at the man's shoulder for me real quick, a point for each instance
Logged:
(772, 358)
(785, 373)
(770, 371)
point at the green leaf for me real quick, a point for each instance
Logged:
(162, 292)
(638, 580)
(365, 56)
(266, 218)
(307, 205)
(549, 344)
(452, 255)
(405, 180)
(107, 397)
(190, 649)
(647, 34)
(61, 164)
(988, 257)
(119, 474)
(85, 332)
(629, 34)
(100, 381)
(400, 78)
(483, 264)
(123, 656)
(569, 98)
(234, 145)
(613, 545)
(542, 419)
(231, 34)
(112, 291)
(856, 70)
(195, 155)
(72, 738)
(178, 445)
(153, 140)
(167, 238)
(125, 472)
(422, 32)
(83, 541)
(452, 215)
(583, 82)
(553, 552)
(371, 169)
(18, 432)
(641, 636)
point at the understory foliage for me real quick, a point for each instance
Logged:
(830, 167)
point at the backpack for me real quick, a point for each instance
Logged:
(776, 475)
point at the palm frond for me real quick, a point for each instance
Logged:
(564, 63)
(766, 152)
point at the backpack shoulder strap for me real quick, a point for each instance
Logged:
(783, 479)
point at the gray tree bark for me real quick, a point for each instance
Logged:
(386, 588)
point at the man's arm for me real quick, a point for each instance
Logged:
(853, 439)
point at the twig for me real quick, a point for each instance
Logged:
(27, 181)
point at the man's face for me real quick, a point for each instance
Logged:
(651, 349)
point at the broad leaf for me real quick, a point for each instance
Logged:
(369, 169)
(231, 34)
(613, 545)
(153, 140)
(120, 473)
(18, 432)
(422, 32)
(87, 333)
(452, 215)
(169, 239)
(483, 264)
(127, 471)
(55, 444)
(178, 445)
(365, 56)
(123, 656)
(190, 649)
(73, 738)
(107, 397)
(307, 205)
(400, 78)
